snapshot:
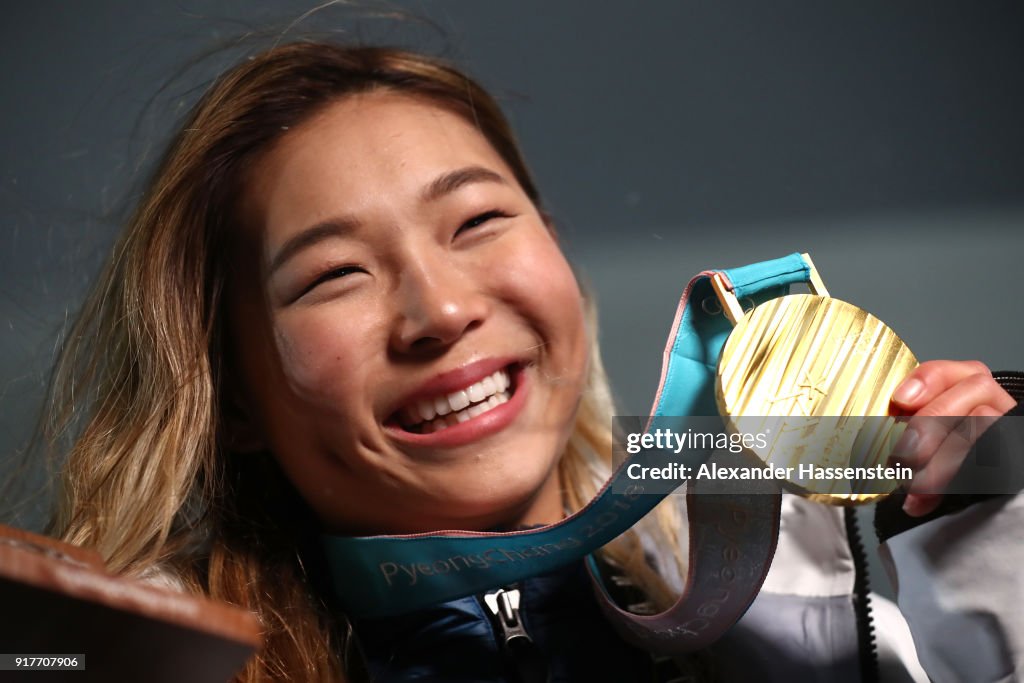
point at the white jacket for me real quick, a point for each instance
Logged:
(959, 587)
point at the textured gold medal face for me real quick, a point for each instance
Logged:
(810, 372)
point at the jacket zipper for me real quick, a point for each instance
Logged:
(867, 647)
(503, 607)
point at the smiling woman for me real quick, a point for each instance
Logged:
(340, 307)
(341, 310)
(371, 366)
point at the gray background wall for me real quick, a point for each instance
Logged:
(884, 138)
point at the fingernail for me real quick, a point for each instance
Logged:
(908, 391)
(907, 446)
(912, 506)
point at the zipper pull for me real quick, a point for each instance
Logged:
(504, 605)
(523, 653)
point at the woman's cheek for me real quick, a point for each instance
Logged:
(319, 355)
(556, 286)
(538, 272)
(544, 289)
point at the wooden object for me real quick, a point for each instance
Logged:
(58, 599)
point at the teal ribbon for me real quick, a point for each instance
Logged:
(376, 576)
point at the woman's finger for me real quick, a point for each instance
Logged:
(943, 464)
(932, 423)
(931, 379)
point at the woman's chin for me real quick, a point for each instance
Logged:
(491, 505)
(510, 504)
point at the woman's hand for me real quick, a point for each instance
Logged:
(938, 395)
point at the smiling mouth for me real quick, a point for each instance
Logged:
(430, 415)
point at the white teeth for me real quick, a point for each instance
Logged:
(448, 410)
(441, 405)
(426, 410)
(454, 418)
(476, 392)
(458, 400)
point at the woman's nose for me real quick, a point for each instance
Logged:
(438, 304)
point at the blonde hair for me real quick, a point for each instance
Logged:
(136, 394)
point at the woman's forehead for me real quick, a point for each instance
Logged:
(373, 132)
(360, 152)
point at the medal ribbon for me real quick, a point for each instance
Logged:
(732, 537)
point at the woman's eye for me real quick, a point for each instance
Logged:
(478, 220)
(332, 274)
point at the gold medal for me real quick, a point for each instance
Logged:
(814, 375)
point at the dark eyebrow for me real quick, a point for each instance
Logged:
(335, 227)
(453, 180)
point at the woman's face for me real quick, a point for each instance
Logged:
(409, 336)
